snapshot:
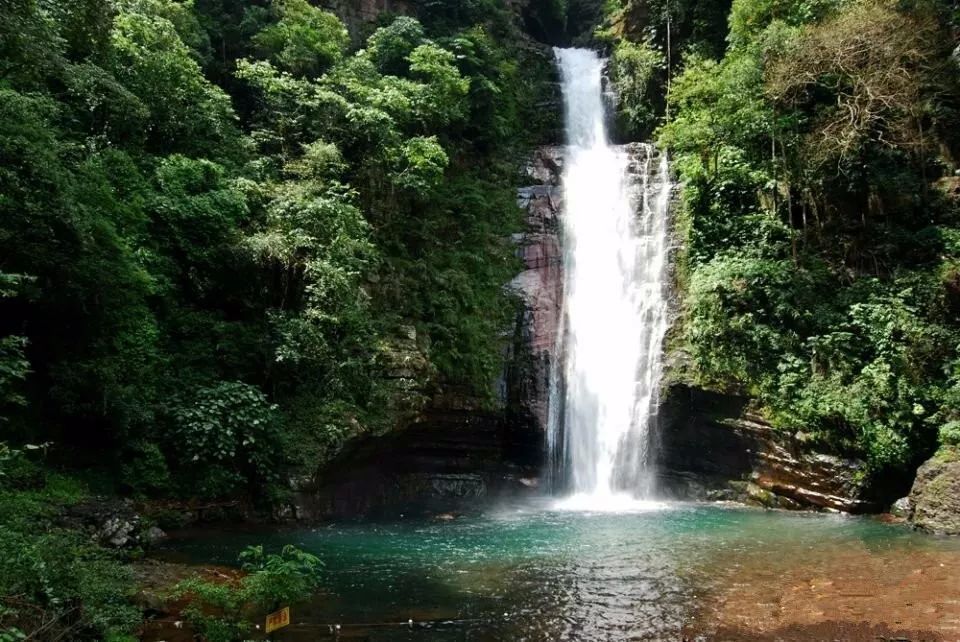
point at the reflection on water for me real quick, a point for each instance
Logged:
(533, 573)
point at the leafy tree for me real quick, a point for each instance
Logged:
(187, 113)
(305, 40)
(390, 46)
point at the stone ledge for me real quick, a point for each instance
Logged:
(710, 447)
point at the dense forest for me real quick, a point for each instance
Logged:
(820, 270)
(225, 223)
(219, 219)
(222, 223)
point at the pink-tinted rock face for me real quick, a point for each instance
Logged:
(540, 286)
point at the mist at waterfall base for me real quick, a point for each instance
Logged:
(604, 396)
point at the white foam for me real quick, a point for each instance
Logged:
(608, 503)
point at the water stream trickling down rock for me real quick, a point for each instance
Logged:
(615, 313)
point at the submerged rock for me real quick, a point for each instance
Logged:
(935, 496)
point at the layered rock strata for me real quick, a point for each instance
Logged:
(711, 447)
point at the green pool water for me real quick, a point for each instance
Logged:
(533, 573)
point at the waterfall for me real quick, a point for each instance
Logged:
(604, 399)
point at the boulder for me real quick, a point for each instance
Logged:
(118, 532)
(901, 508)
(112, 522)
(153, 535)
(935, 496)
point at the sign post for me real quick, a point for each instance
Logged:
(278, 620)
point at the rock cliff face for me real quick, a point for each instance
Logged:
(357, 14)
(711, 447)
(540, 288)
(457, 458)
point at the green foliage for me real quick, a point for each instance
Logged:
(383, 121)
(749, 18)
(441, 102)
(55, 583)
(450, 16)
(195, 215)
(948, 416)
(187, 113)
(145, 471)
(421, 166)
(57, 229)
(950, 434)
(813, 278)
(219, 205)
(390, 46)
(221, 612)
(747, 311)
(12, 634)
(228, 434)
(633, 70)
(305, 40)
(13, 363)
(278, 579)
(57, 571)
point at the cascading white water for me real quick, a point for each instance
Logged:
(615, 308)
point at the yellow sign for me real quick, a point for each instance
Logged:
(278, 620)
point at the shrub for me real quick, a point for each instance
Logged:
(144, 470)
(229, 434)
(222, 612)
(950, 434)
(633, 68)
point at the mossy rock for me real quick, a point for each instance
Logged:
(936, 493)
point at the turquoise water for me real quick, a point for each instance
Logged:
(537, 574)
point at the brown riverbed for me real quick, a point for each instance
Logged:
(835, 593)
